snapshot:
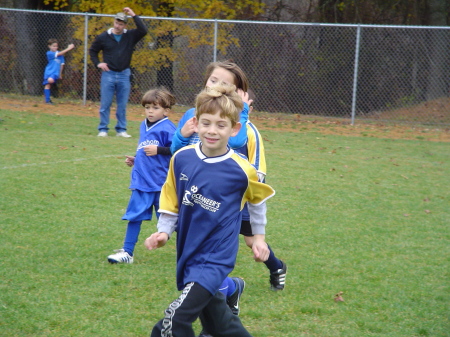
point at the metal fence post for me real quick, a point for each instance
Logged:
(215, 40)
(355, 73)
(86, 18)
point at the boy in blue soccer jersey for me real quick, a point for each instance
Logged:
(207, 186)
(150, 166)
(52, 71)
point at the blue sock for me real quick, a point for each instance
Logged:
(273, 263)
(228, 287)
(131, 236)
(47, 95)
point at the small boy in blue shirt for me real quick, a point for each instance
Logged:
(206, 188)
(53, 69)
(150, 166)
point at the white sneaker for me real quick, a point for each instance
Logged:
(123, 134)
(102, 134)
(120, 256)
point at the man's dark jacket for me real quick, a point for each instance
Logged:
(117, 55)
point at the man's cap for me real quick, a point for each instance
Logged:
(121, 16)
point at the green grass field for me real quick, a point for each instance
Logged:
(369, 217)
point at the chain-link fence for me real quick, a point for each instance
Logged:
(330, 70)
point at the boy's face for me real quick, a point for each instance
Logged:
(214, 132)
(53, 46)
(155, 112)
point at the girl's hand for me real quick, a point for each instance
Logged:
(245, 97)
(188, 128)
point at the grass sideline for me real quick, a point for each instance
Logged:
(365, 216)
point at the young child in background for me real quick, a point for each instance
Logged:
(207, 186)
(150, 166)
(216, 72)
(53, 69)
(254, 151)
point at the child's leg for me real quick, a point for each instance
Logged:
(131, 236)
(182, 312)
(272, 263)
(228, 287)
(140, 207)
(218, 319)
(277, 268)
(47, 93)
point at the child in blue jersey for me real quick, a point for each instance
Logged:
(216, 72)
(254, 151)
(53, 69)
(150, 166)
(207, 186)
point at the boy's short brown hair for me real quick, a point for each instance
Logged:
(160, 96)
(51, 41)
(219, 98)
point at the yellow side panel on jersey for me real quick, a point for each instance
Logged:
(256, 192)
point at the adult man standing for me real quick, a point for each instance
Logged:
(117, 44)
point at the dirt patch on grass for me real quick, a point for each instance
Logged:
(379, 127)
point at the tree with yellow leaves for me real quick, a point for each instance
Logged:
(156, 51)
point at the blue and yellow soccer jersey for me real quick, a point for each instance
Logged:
(150, 172)
(208, 195)
(254, 149)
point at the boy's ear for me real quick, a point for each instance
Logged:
(236, 129)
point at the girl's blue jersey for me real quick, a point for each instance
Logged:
(149, 172)
(53, 67)
(208, 195)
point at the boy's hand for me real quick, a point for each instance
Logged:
(129, 160)
(156, 240)
(70, 46)
(188, 128)
(260, 248)
(151, 150)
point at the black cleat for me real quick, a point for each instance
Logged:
(278, 278)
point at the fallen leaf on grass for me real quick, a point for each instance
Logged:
(427, 211)
(338, 297)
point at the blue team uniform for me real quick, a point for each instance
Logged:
(53, 67)
(209, 218)
(149, 172)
